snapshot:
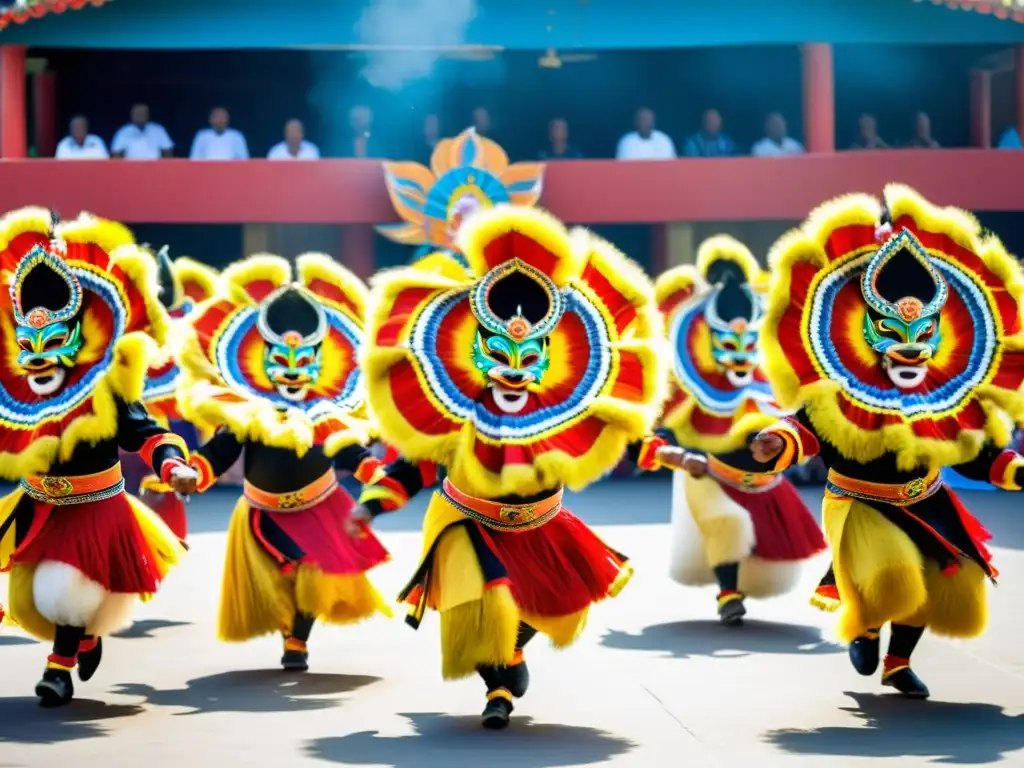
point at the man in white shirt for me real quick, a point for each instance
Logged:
(79, 144)
(294, 146)
(776, 143)
(140, 139)
(219, 142)
(645, 143)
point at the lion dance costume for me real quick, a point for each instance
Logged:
(80, 297)
(530, 372)
(271, 364)
(184, 283)
(747, 532)
(894, 327)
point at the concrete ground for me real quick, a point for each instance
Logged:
(655, 681)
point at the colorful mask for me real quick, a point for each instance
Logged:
(293, 326)
(905, 294)
(517, 307)
(47, 300)
(733, 313)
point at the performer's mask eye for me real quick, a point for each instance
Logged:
(509, 363)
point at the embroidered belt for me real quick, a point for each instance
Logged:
(897, 494)
(748, 482)
(503, 517)
(78, 489)
(293, 501)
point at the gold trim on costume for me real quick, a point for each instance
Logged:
(897, 494)
(741, 480)
(62, 491)
(503, 517)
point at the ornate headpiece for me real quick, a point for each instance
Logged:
(274, 356)
(534, 367)
(896, 325)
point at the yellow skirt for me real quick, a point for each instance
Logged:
(882, 577)
(259, 598)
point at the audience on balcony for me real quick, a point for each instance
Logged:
(294, 146)
(79, 144)
(710, 141)
(776, 142)
(645, 142)
(141, 139)
(361, 142)
(428, 139)
(868, 138)
(923, 133)
(220, 141)
(558, 146)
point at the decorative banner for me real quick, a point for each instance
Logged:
(466, 173)
(1001, 9)
(20, 11)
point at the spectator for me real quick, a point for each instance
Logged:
(709, 141)
(559, 147)
(361, 143)
(868, 138)
(646, 142)
(1010, 139)
(141, 139)
(482, 122)
(79, 144)
(294, 146)
(219, 142)
(776, 142)
(923, 133)
(428, 141)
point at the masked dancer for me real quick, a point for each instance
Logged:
(271, 364)
(79, 299)
(748, 533)
(528, 373)
(893, 326)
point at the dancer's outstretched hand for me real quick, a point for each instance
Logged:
(184, 480)
(358, 519)
(673, 457)
(766, 446)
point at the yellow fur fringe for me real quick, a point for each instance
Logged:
(681, 279)
(188, 271)
(320, 266)
(806, 245)
(727, 248)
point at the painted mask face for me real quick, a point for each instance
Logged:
(905, 294)
(517, 308)
(47, 301)
(293, 325)
(733, 314)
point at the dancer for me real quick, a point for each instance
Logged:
(271, 364)
(893, 326)
(530, 372)
(183, 285)
(748, 533)
(74, 315)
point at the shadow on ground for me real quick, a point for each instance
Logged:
(23, 721)
(146, 628)
(683, 639)
(16, 640)
(252, 691)
(443, 741)
(947, 733)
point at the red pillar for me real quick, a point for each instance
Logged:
(358, 249)
(44, 109)
(981, 109)
(1018, 61)
(819, 98)
(13, 126)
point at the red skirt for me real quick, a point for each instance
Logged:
(317, 536)
(171, 510)
(784, 529)
(102, 539)
(557, 569)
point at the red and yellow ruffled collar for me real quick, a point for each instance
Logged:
(221, 354)
(123, 323)
(603, 389)
(818, 359)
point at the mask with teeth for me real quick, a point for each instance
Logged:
(733, 314)
(47, 300)
(517, 307)
(905, 294)
(293, 325)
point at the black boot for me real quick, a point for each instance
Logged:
(296, 654)
(55, 689)
(498, 711)
(730, 600)
(898, 673)
(89, 659)
(864, 653)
